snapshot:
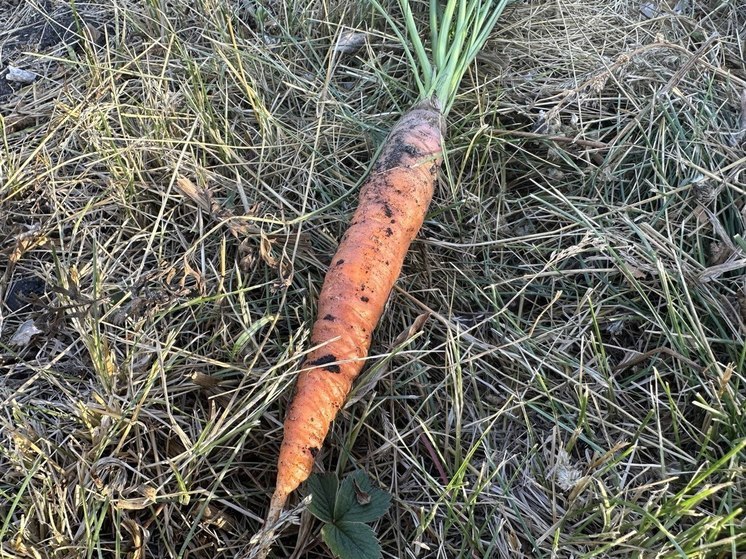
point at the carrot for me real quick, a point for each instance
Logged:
(391, 209)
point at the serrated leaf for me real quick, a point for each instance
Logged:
(323, 489)
(351, 540)
(358, 500)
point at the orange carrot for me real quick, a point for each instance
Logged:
(392, 206)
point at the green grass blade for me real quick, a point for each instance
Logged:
(422, 85)
(425, 68)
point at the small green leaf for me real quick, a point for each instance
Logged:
(358, 500)
(323, 489)
(351, 540)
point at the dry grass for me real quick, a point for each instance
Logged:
(172, 188)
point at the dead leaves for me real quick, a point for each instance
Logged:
(24, 242)
(415, 328)
(202, 196)
(24, 333)
(349, 42)
(247, 233)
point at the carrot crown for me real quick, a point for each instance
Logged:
(458, 31)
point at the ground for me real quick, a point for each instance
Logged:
(560, 369)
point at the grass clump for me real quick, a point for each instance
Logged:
(173, 184)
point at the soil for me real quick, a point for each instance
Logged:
(34, 27)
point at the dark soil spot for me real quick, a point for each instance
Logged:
(24, 292)
(324, 363)
(391, 157)
(411, 150)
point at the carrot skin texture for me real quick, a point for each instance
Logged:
(392, 206)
